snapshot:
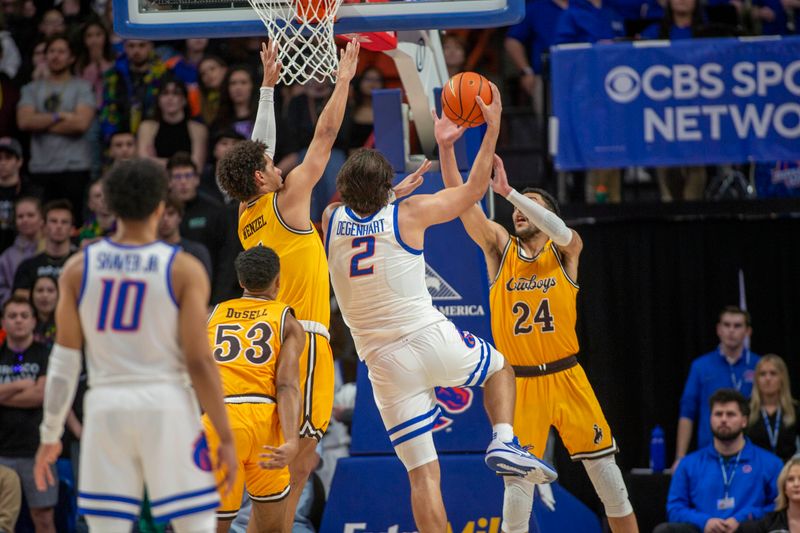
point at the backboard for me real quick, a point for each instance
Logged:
(180, 19)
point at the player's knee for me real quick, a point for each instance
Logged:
(517, 504)
(109, 525)
(205, 522)
(609, 485)
(417, 451)
(305, 462)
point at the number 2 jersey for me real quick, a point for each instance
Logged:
(246, 335)
(378, 279)
(532, 301)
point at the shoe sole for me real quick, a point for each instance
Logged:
(539, 473)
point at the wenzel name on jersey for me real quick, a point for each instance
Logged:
(251, 228)
(353, 229)
(127, 262)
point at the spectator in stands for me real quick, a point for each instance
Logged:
(211, 70)
(23, 367)
(238, 101)
(130, 89)
(777, 17)
(786, 516)
(101, 221)
(44, 297)
(40, 70)
(52, 23)
(12, 187)
(455, 54)
(58, 111)
(95, 56)
(169, 231)
(361, 133)
(773, 421)
(732, 364)
(29, 223)
(223, 142)
(725, 483)
(121, 147)
(10, 497)
(172, 130)
(57, 248)
(534, 35)
(8, 104)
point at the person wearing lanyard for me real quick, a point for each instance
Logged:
(732, 364)
(773, 423)
(725, 483)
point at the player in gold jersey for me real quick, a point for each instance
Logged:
(532, 302)
(275, 212)
(257, 344)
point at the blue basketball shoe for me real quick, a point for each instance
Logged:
(511, 459)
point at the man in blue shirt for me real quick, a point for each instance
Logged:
(731, 365)
(721, 485)
(589, 21)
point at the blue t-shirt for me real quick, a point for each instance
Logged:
(675, 33)
(582, 22)
(537, 30)
(779, 26)
(709, 373)
(697, 491)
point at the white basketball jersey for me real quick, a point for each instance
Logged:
(379, 280)
(129, 315)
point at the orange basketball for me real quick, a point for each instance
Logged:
(458, 98)
(311, 11)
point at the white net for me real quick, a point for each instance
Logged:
(303, 31)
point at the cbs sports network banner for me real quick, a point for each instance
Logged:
(689, 102)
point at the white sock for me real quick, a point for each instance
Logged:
(503, 432)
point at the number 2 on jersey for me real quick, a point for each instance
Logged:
(123, 319)
(369, 250)
(542, 317)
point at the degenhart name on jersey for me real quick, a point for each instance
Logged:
(246, 315)
(353, 229)
(250, 229)
(123, 261)
(530, 284)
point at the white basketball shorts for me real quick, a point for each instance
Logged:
(405, 373)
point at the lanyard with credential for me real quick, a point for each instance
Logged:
(737, 383)
(726, 481)
(772, 433)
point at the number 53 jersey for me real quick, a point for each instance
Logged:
(533, 307)
(245, 335)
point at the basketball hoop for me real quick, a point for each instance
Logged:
(303, 31)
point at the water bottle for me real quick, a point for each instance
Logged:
(657, 450)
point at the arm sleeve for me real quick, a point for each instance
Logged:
(690, 398)
(264, 127)
(542, 218)
(63, 370)
(679, 505)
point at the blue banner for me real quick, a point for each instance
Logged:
(688, 102)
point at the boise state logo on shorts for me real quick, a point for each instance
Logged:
(454, 400)
(202, 458)
(469, 339)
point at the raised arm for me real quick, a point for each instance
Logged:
(294, 200)
(264, 127)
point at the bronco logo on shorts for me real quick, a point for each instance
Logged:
(202, 458)
(454, 400)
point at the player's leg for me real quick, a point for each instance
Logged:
(587, 436)
(230, 502)
(268, 489)
(426, 498)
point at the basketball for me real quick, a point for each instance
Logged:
(458, 98)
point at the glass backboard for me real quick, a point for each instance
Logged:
(180, 19)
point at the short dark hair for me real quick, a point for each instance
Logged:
(734, 310)
(364, 181)
(59, 37)
(17, 299)
(29, 199)
(548, 198)
(235, 171)
(172, 202)
(133, 189)
(728, 396)
(181, 159)
(257, 267)
(62, 204)
(121, 131)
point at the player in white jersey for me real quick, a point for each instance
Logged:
(136, 305)
(378, 274)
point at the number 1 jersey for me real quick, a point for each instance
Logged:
(532, 301)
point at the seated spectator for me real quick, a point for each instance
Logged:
(29, 223)
(731, 364)
(95, 56)
(101, 221)
(44, 297)
(52, 23)
(455, 54)
(786, 516)
(211, 70)
(361, 133)
(683, 19)
(121, 147)
(58, 112)
(777, 17)
(223, 142)
(23, 367)
(12, 187)
(172, 130)
(169, 231)
(728, 482)
(57, 248)
(773, 421)
(238, 101)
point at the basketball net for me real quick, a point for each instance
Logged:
(303, 31)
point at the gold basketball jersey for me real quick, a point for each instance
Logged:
(304, 268)
(245, 335)
(533, 307)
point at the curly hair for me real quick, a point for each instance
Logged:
(364, 181)
(257, 268)
(133, 189)
(235, 171)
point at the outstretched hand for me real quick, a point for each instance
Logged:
(412, 181)
(493, 111)
(500, 178)
(445, 130)
(348, 62)
(46, 457)
(271, 63)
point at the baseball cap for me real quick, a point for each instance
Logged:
(11, 145)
